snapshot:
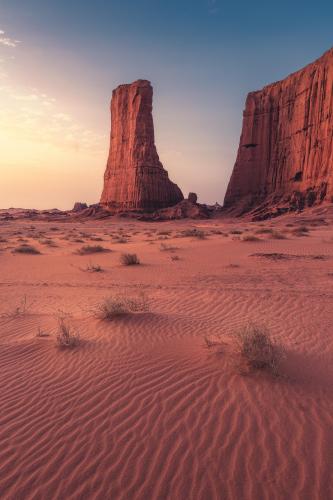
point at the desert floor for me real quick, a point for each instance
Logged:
(142, 408)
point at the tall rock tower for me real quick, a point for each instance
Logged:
(135, 178)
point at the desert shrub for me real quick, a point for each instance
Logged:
(300, 231)
(120, 305)
(264, 230)
(195, 233)
(175, 257)
(88, 249)
(167, 248)
(129, 259)
(257, 348)
(276, 235)
(236, 231)
(93, 268)
(67, 336)
(26, 249)
(250, 238)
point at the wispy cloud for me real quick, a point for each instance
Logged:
(7, 41)
(32, 115)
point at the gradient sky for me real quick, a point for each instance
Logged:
(60, 60)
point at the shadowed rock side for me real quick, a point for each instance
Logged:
(135, 178)
(285, 156)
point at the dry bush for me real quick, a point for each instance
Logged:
(264, 230)
(120, 305)
(93, 268)
(250, 238)
(276, 235)
(167, 248)
(301, 231)
(236, 231)
(129, 259)
(88, 249)
(195, 233)
(175, 257)
(67, 336)
(27, 249)
(258, 350)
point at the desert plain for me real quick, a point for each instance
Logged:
(157, 403)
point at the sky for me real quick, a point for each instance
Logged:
(61, 59)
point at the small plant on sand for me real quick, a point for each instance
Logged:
(276, 235)
(120, 305)
(195, 233)
(300, 231)
(66, 336)
(129, 259)
(175, 257)
(167, 248)
(250, 238)
(26, 249)
(258, 350)
(88, 249)
(93, 268)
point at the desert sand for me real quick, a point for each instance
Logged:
(142, 408)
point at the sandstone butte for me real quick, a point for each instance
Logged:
(135, 178)
(285, 156)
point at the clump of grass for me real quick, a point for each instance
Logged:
(301, 231)
(195, 233)
(93, 268)
(236, 231)
(276, 235)
(27, 249)
(67, 337)
(88, 249)
(129, 259)
(120, 305)
(167, 248)
(264, 230)
(175, 257)
(250, 238)
(258, 350)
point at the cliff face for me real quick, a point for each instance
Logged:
(285, 156)
(135, 178)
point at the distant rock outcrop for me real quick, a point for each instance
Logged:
(135, 178)
(192, 197)
(285, 156)
(78, 206)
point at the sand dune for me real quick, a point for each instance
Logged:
(142, 408)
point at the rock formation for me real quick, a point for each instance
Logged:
(285, 156)
(135, 178)
(78, 206)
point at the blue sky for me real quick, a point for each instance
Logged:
(202, 57)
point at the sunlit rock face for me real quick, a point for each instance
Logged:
(285, 156)
(135, 178)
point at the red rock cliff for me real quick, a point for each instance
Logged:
(285, 156)
(135, 178)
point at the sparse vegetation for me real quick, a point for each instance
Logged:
(93, 268)
(167, 248)
(120, 305)
(258, 350)
(195, 233)
(250, 238)
(67, 337)
(88, 249)
(276, 235)
(129, 259)
(27, 249)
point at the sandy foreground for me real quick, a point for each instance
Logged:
(142, 409)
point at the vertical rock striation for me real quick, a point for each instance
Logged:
(285, 156)
(135, 178)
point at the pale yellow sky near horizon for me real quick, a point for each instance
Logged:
(54, 144)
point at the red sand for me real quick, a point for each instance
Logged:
(142, 409)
